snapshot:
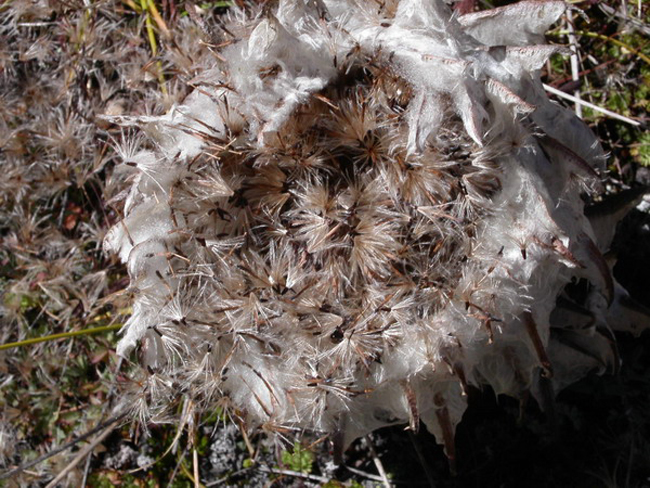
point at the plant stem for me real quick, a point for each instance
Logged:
(63, 335)
(149, 9)
(609, 113)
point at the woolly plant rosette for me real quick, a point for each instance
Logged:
(362, 209)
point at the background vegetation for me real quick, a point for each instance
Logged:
(64, 63)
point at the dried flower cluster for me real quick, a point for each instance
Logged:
(362, 209)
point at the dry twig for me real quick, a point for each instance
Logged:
(609, 113)
(378, 463)
(113, 420)
(83, 453)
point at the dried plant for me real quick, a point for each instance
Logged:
(360, 210)
(351, 213)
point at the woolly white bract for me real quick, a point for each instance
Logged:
(361, 209)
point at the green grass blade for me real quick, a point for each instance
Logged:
(63, 335)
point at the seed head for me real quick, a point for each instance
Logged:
(361, 210)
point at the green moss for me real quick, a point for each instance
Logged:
(299, 460)
(641, 150)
